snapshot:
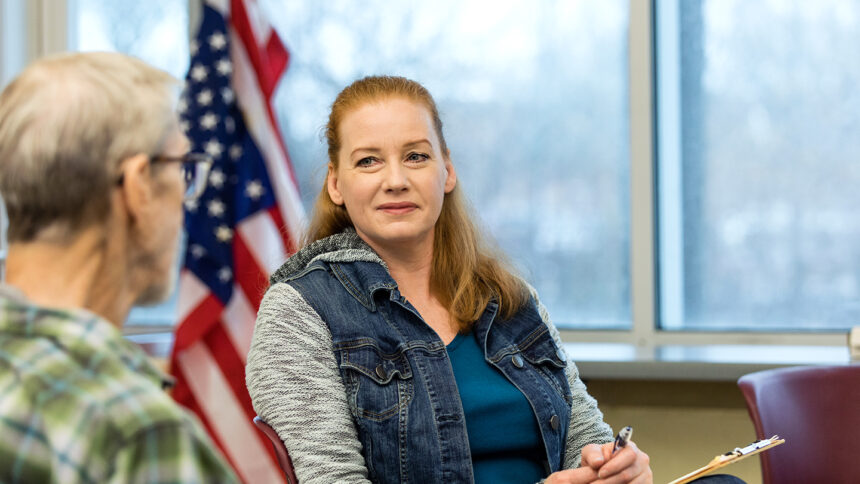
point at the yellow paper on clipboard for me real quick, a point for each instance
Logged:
(730, 458)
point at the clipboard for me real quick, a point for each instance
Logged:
(730, 458)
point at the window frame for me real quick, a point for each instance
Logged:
(32, 29)
(43, 27)
(646, 143)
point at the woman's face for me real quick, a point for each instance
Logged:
(391, 176)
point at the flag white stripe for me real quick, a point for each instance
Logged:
(265, 136)
(264, 241)
(260, 28)
(224, 413)
(192, 291)
(238, 318)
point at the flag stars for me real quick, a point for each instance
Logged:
(223, 234)
(205, 97)
(254, 189)
(225, 274)
(193, 46)
(216, 178)
(184, 126)
(182, 105)
(224, 67)
(217, 41)
(227, 95)
(208, 121)
(191, 205)
(216, 208)
(229, 124)
(235, 152)
(199, 73)
(197, 251)
(214, 148)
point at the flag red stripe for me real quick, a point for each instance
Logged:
(250, 276)
(233, 369)
(231, 365)
(290, 243)
(197, 323)
(182, 393)
(269, 64)
(275, 50)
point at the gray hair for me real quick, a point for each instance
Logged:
(66, 124)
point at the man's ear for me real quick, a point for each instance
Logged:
(331, 183)
(137, 187)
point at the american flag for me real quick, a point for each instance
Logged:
(239, 230)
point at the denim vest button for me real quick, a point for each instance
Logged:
(553, 422)
(380, 372)
(517, 360)
(561, 355)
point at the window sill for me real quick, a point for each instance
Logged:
(694, 362)
(623, 361)
(155, 344)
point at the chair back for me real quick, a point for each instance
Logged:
(280, 450)
(817, 411)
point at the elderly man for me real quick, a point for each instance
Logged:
(91, 170)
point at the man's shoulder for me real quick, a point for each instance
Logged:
(102, 389)
(136, 404)
(56, 401)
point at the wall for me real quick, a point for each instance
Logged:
(681, 425)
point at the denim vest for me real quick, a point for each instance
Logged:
(399, 381)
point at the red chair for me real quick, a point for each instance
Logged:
(817, 411)
(280, 450)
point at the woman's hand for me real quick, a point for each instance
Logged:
(600, 466)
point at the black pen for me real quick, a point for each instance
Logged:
(622, 438)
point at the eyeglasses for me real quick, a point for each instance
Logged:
(195, 170)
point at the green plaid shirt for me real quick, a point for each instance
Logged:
(79, 403)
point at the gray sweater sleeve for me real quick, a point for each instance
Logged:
(296, 387)
(586, 420)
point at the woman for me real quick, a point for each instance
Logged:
(396, 347)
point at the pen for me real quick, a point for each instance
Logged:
(622, 438)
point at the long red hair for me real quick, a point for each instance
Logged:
(467, 271)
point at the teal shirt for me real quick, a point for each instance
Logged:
(504, 437)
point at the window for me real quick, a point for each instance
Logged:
(158, 33)
(749, 160)
(534, 101)
(759, 177)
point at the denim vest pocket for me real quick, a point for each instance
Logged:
(543, 354)
(378, 385)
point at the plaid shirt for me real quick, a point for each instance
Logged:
(79, 403)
